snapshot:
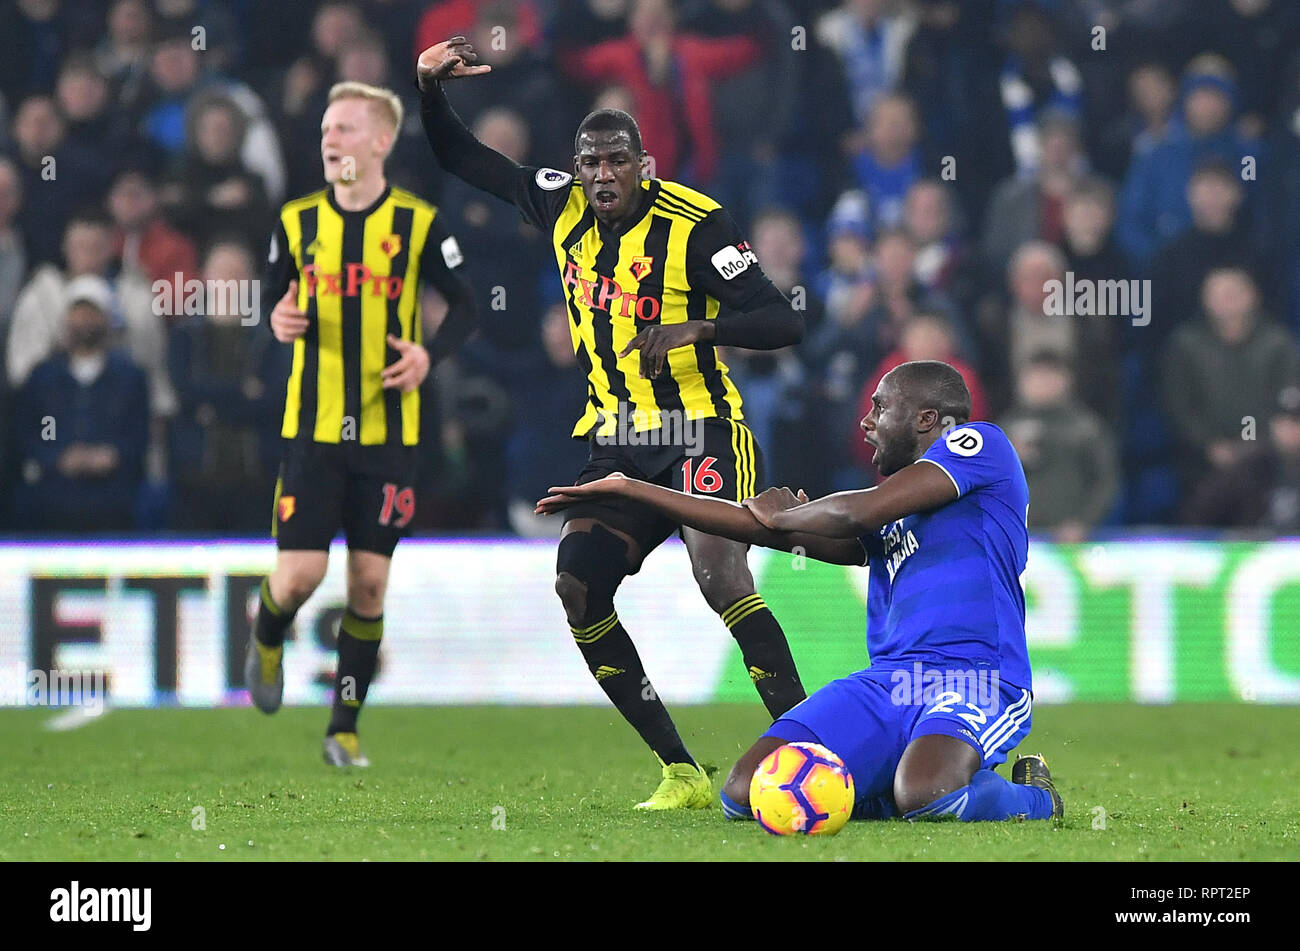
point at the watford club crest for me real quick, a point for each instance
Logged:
(286, 507)
(391, 245)
(641, 266)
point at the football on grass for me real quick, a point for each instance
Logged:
(801, 789)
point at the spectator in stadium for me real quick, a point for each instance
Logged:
(943, 261)
(847, 285)
(35, 37)
(1068, 452)
(143, 240)
(899, 295)
(1023, 326)
(537, 451)
(459, 17)
(1281, 202)
(123, 53)
(490, 232)
(1152, 95)
(175, 74)
(37, 322)
(213, 192)
(57, 177)
(849, 346)
(1033, 208)
(870, 39)
(1258, 36)
(748, 176)
(1217, 237)
(523, 80)
(228, 379)
(1262, 489)
(670, 75)
(1153, 207)
(168, 101)
(93, 124)
(1221, 376)
(309, 77)
(1088, 240)
(81, 425)
(13, 251)
(926, 335)
(775, 382)
(1036, 79)
(13, 267)
(889, 160)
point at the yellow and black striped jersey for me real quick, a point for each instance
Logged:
(681, 259)
(359, 275)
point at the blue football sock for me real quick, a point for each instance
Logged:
(733, 810)
(988, 798)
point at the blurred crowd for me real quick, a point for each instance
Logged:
(914, 174)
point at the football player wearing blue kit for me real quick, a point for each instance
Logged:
(949, 690)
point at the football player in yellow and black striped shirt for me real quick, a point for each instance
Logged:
(347, 267)
(655, 277)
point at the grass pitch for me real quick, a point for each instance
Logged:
(1185, 782)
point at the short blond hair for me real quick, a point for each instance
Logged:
(384, 101)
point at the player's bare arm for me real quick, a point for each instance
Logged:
(919, 487)
(712, 516)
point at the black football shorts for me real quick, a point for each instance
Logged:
(367, 491)
(725, 462)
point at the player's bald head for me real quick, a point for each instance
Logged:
(609, 121)
(932, 384)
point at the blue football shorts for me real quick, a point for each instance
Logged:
(868, 718)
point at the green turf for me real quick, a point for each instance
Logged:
(1178, 782)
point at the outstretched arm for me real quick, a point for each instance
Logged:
(711, 516)
(455, 146)
(919, 487)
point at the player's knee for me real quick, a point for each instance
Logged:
(291, 589)
(721, 586)
(917, 788)
(366, 596)
(736, 787)
(573, 595)
(589, 567)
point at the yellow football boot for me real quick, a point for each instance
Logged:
(684, 786)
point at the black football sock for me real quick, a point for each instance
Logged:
(613, 661)
(358, 657)
(766, 652)
(272, 620)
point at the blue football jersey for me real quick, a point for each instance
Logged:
(945, 586)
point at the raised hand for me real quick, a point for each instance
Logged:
(450, 59)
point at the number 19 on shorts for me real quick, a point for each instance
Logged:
(401, 499)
